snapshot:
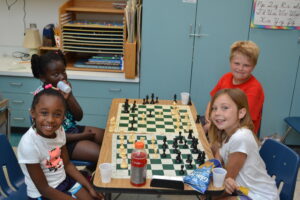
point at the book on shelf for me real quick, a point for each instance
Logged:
(100, 64)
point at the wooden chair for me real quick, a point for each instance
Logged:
(283, 163)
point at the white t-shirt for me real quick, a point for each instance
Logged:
(253, 174)
(34, 148)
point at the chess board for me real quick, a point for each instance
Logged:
(156, 164)
(164, 119)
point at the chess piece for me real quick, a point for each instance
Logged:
(156, 100)
(144, 102)
(175, 98)
(190, 136)
(190, 101)
(164, 153)
(181, 172)
(155, 153)
(190, 166)
(124, 164)
(198, 119)
(185, 144)
(131, 138)
(147, 99)
(178, 157)
(152, 99)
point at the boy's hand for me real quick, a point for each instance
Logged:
(89, 135)
(230, 185)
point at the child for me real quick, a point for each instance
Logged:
(243, 59)
(43, 156)
(83, 142)
(234, 144)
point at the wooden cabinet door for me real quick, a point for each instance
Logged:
(219, 24)
(167, 48)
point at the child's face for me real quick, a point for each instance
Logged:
(241, 68)
(56, 71)
(225, 114)
(48, 115)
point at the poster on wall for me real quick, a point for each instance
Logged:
(276, 14)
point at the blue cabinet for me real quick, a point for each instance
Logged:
(167, 47)
(277, 71)
(93, 96)
(221, 23)
(18, 90)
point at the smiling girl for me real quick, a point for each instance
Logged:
(235, 145)
(43, 155)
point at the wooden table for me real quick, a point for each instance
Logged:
(123, 185)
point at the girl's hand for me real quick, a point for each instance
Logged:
(66, 95)
(89, 135)
(230, 185)
(96, 195)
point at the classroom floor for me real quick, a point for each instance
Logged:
(15, 138)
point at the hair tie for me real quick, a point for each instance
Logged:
(48, 86)
(41, 88)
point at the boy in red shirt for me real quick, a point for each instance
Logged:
(243, 59)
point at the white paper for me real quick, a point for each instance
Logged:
(277, 12)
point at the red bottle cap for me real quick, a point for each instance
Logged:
(139, 145)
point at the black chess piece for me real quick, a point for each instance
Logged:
(131, 128)
(198, 119)
(188, 158)
(181, 172)
(147, 99)
(190, 101)
(152, 99)
(164, 153)
(132, 109)
(190, 136)
(185, 144)
(156, 100)
(178, 157)
(133, 118)
(150, 114)
(190, 164)
(144, 101)
(180, 138)
(175, 98)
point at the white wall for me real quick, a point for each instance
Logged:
(41, 12)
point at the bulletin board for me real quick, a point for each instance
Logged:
(276, 14)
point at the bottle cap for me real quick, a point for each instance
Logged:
(139, 145)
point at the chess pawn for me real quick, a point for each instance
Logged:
(138, 165)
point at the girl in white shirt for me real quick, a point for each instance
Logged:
(43, 155)
(235, 145)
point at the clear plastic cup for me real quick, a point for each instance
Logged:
(106, 172)
(185, 97)
(219, 176)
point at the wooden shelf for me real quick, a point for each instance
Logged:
(93, 27)
(96, 10)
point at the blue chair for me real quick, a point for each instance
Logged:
(283, 163)
(16, 178)
(293, 123)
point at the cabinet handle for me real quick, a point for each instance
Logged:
(198, 34)
(18, 101)
(191, 31)
(19, 118)
(115, 89)
(15, 84)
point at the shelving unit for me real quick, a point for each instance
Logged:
(89, 28)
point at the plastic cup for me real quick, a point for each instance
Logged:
(106, 172)
(185, 97)
(218, 176)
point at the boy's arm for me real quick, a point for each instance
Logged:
(40, 181)
(72, 171)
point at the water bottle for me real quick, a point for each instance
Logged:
(64, 87)
(138, 165)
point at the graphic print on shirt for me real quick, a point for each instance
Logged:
(54, 160)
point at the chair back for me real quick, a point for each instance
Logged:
(9, 161)
(283, 163)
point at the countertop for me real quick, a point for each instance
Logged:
(10, 66)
